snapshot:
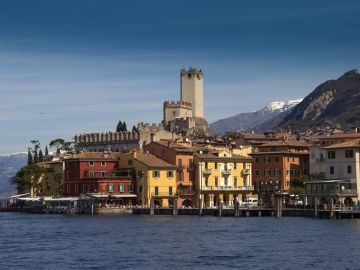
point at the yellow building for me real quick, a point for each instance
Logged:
(222, 177)
(52, 182)
(156, 179)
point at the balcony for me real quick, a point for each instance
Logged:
(246, 171)
(226, 172)
(163, 194)
(207, 171)
(191, 167)
(228, 188)
(180, 168)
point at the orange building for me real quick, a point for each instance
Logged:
(276, 163)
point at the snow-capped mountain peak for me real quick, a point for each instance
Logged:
(282, 105)
(13, 154)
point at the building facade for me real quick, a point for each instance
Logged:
(97, 174)
(222, 177)
(276, 164)
(156, 179)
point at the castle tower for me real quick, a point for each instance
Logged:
(192, 90)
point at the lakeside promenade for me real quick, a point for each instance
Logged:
(344, 213)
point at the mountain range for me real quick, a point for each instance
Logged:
(9, 165)
(333, 104)
(264, 119)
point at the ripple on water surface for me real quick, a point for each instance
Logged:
(182, 242)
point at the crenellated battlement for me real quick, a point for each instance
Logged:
(149, 127)
(106, 137)
(177, 104)
(191, 72)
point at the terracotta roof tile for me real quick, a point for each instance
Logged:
(347, 144)
(153, 161)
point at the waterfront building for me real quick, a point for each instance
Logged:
(182, 157)
(156, 180)
(221, 177)
(52, 182)
(96, 175)
(276, 164)
(340, 164)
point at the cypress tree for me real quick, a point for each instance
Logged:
(36, 156)
(41, 157)
(119, 127)
(124, 127)
(46, 153)
(30, 158)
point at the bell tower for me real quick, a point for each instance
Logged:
(192, 90)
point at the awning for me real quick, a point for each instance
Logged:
(106, 195)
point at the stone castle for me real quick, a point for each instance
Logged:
(188, 113)
(178, 117)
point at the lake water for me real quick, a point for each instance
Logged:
(181, 242)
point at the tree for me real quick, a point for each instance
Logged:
(30, 158)
(34, 149)
(46, 153)
(36, 156)
(28, 179)
(62, 145)
(41, 156)
(121, 127)
(134, 130)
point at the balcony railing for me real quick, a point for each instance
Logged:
(163, 194)
(226, 171)
(180, 168)
(246, 171)
(228, 188)
(207, 171)
(332, 192)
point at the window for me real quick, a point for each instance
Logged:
(277, 159)
(305, 160)
(277, 171)
(216, 165)
(170, 174)
(76, 188)
(174, 113)
(156, 190)
(225, 166)
(132, 188)
(206, 181)
(257, 160)
(287, 172)
(267, 159)
(110, 187)
(103, 174)
(216, 181)
(156, 174)
(206, 165)
(331, 155)
(103, 163)
(68, 188)
(75, 164)
(332, 170)
(292, 172)
(67, 175)
(91, 174)
(235, 181)
(266, 172)
(170, 191)
(121, 187)
(349, 153)
(91, 163)
(257, 172)
(130, 162)
(349, 169)
(140, 189)
(235, 165)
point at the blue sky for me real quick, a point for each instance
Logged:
(69, 67)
